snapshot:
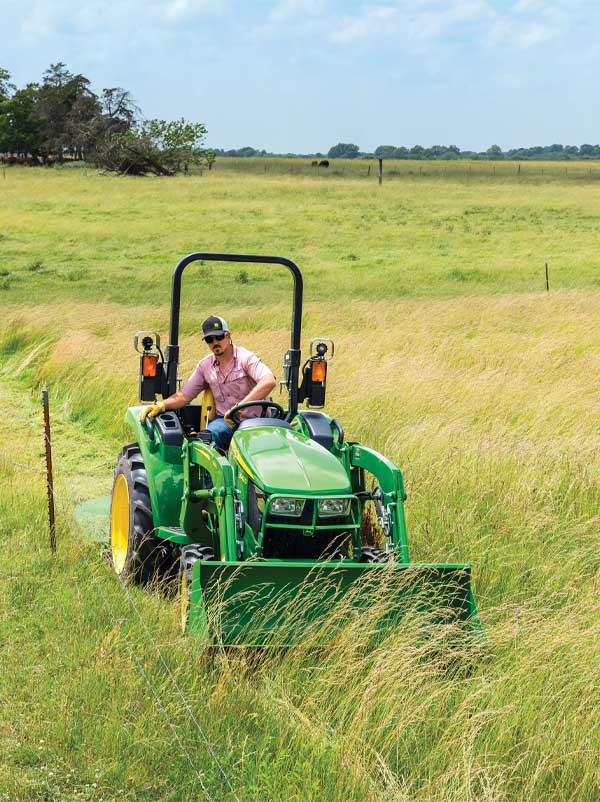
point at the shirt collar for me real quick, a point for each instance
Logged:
(215, 362)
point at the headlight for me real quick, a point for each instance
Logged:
(287, 506)
(331, 507)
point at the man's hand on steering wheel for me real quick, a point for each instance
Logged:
(233, 420)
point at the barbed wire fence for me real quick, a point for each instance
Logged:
(33, 432)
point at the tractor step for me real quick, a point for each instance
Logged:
(173, 533)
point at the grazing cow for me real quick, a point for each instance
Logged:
(314, 163)
(324, 163)
(23, 161)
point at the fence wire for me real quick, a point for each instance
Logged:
(65, 513)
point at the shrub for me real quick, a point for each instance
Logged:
(35, 267)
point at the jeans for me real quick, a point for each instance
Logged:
(221, 432)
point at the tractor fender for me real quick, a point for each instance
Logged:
(164, 468)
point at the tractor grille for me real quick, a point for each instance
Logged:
(285, 539)
(293, 544)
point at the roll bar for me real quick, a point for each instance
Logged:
(172, 352)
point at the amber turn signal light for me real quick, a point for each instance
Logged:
(318, 370)
(149, 363)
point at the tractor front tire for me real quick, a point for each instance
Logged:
(134, 552)
(370, 554)
(189, 555)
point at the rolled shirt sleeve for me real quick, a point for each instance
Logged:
(256, 369)
(197, 381)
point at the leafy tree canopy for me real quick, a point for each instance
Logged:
(64, 118)
(153, 146)
(344, 150)
(21, 129)
(6, 87)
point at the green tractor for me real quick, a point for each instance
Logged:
(274, 533)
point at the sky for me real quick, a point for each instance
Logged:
(301, 75)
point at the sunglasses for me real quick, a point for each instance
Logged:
(211, 338)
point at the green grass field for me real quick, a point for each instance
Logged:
(452, 359)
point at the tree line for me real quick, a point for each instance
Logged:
(493, 153)
(61, 118)
(348, 150)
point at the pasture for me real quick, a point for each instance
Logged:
(451, 358)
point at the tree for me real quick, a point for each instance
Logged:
(117, 105)
(153, 146)
(116, 114)
(6, 87)
(60, 92)
(343, 150)
(385, 152)
(246, 153)
(494, 152)
(80, 125)
(21, 129)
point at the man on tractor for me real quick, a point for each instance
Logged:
(233, 374)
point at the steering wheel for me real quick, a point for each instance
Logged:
(265, 405)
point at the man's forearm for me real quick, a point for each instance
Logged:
(176, 401)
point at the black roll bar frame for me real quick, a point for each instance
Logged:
(172, 351)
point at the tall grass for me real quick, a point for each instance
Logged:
(486, 401)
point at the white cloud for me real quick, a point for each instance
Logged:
(522, 33)
(534, 34)
(411, 24)
(419, 25)
(177, 9)
(367, 24)
(290, 9)
(45, 18)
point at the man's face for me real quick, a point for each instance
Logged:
(218, 347)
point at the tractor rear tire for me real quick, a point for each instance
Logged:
(135, 554)
(189, 555)
(370, 554)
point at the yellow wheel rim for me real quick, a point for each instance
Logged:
(184, 602)
(119, 524)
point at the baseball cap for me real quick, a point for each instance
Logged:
(214, 325)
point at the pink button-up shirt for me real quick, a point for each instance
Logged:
(243, 374)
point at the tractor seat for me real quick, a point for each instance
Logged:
(250, 423)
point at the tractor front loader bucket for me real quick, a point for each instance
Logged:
(282, 603)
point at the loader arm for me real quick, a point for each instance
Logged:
(389, 478)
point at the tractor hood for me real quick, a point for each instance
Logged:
(280, 460)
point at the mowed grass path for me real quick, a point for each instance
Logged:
(484, 392)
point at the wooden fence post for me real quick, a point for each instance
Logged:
(49, 476)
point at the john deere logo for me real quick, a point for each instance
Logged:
(217, 325)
